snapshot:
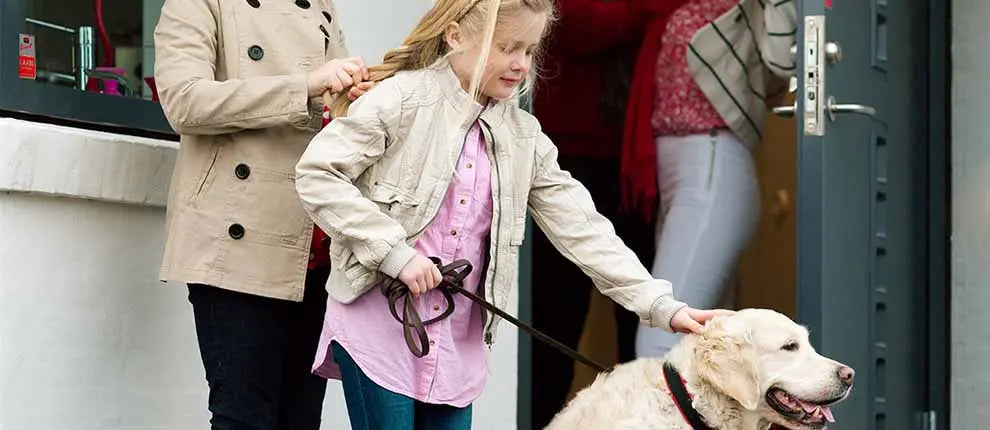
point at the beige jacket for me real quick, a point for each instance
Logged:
(374, 180)
(743, 56)
(232, 80)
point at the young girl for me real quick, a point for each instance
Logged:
(439, 161)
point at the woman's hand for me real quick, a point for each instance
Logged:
(690, 320)
(336, 75)
(359, 89)
(420, 274)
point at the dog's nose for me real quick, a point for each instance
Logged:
(846, 375)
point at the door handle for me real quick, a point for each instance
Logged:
(788, 111)
(835, 108)
(832, 107)
(785, 111)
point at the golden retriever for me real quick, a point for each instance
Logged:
(745, 371)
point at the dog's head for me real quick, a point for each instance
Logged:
(764, 361)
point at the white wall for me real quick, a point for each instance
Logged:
(372, 27)
(970, 215)
(89, 339)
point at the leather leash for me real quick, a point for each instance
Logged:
(414, 328)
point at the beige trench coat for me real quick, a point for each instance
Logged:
(232, 79)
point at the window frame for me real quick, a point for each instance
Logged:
(126, 115)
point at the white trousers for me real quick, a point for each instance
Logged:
(709, 209)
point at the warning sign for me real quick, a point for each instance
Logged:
(27, 66)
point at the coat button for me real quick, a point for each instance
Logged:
(236, 231)
(254, 3)
(242, 171)
(303, 4)
(255, 52)
(327, 16)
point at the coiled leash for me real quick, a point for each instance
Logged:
(414, 328)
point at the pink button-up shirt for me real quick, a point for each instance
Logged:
(455, 370)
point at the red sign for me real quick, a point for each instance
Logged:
(27, 66)
(828, 4)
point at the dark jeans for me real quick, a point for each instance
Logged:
(371, 407)
(561, 290)
(257, 353)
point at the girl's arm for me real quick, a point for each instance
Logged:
(563, 209)
(337, 156)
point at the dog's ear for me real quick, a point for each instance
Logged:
(726, 358)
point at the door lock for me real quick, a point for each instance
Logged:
(833, 52)
(817, 54)
(813, 77)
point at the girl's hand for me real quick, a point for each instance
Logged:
(420, 275)
(690, 320)
(336, 75)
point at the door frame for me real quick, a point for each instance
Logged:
(939, 210)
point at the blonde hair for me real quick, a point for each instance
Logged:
(426, 44)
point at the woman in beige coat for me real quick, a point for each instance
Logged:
(240, 81)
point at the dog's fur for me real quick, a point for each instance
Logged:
(730, 369)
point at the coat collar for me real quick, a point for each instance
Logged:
(463, 103)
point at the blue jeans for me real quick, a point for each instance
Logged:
(371, 407)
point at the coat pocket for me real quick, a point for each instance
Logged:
(399, 204)
(208, 176)
(266, 202)
(358, 277)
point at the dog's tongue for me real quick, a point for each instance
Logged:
(828, 414)
(818, 411)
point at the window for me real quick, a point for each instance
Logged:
(57, 61)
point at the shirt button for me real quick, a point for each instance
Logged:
(453, 232)
(436, 308)
(463, 202)
(433, 342)
(470, 165)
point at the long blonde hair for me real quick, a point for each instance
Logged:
(426, 44)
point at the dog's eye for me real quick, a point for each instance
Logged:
(793, 346)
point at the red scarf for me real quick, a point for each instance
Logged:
(638, 174)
